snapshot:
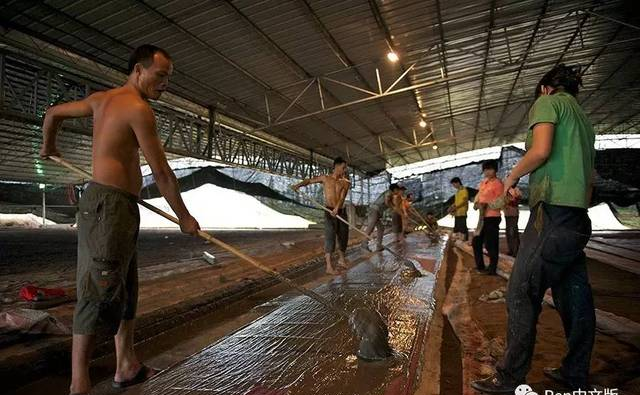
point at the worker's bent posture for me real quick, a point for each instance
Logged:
(374, 217)
(107, 273)
(560, 158)
(432, 227)
(335, 186)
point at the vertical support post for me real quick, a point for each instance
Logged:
(34, 97)
(212, 122)
(2, 61)
(44, 207)
(351, 177)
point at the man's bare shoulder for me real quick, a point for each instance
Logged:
(125, 98)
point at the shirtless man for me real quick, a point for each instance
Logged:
(335, 186)
(108, 221)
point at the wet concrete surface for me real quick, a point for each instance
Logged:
(174, 345)
(173, 291)
(302, 348)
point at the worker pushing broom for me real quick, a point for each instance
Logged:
(108, 223)
(335, 187)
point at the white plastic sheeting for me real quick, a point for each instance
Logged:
(602, 218)
(216, 207)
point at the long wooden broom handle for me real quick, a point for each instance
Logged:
(221, 244)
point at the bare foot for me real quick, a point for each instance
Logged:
(331, 271)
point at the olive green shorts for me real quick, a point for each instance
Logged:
(107, 273)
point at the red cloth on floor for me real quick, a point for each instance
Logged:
(33, 294)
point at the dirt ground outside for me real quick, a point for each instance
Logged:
(613, 365)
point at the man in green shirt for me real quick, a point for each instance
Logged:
(560, 160)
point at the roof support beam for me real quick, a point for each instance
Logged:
(446, 73)
(375, 10)
(484, 68)
(521, 67)
(237, 67)
(344, 59)
(298, 69)
(562, 54)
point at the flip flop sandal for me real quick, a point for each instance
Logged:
(139, 378)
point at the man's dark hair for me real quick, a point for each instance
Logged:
(394, 187)
(144, 55)
(490, 164)
(338, 161)
(456, 179)
(561, 77)
(430, 213)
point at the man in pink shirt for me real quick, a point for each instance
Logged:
(489, 191)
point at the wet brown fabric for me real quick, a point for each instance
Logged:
(107, 274)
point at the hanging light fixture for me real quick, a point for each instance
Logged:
(392, 56)
(435, 146)
(422, 123)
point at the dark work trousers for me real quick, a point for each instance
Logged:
(553, 258)
(489, 236)
(460, 226)
(513, 235)
(335, 229)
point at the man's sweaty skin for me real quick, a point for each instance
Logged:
(123, 124)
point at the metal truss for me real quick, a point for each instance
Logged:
(317, 85)
(28, 87)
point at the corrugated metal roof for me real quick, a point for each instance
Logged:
(479, 60)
